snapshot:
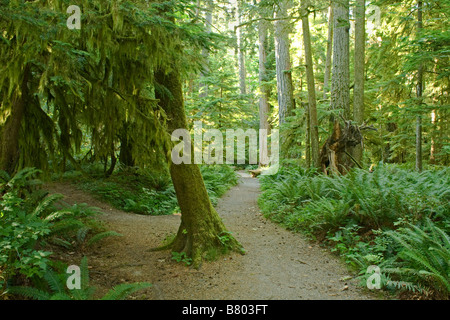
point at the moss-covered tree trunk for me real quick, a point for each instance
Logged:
(201, 229)
(10, 131)
(126, 147)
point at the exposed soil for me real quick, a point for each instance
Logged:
(278, 264)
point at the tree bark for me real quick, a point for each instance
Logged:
(312, 107)
(308, 136)
(205, 53)
(335, 155)
(10, 132)
(358, 90)
(264, 107)
(241, 51)
(283, 62)
(340, 84)
(327, 76)
(419, 91)
(433, 140)
(126, 147)
(201, 226)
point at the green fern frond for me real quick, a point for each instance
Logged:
(46, 203)
(121, 291)
(57, 215)
(82, 233)
(66, 225)
(82, 294)
(61, 242)
(54, 282)
(84, 273)
(405, 285)
(60, 296)
(29, 292)
(102, 235)
(4, 176)
(23, 178)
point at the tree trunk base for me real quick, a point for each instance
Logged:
(335, 156)
(210, 240)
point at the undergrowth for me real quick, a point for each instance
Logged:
(394, 218)
(54, 287)
(32, 223)
(143, 192)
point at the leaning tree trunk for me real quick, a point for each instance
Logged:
(201, 226)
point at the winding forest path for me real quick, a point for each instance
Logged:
(278, 265)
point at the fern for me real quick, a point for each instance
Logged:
(58, 289)
(23, 178)
(28, 292)
(60, 296)
(4, 177)
(57, 215)
(46, 203)
(82, 234)
(54, 282)
(121, 291)
(425, 253)
(102, 235)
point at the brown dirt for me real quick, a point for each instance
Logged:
(278, 264)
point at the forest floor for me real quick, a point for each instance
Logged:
(278, 264)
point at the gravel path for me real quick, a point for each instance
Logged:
(278, 265)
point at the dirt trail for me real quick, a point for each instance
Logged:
(278, 265)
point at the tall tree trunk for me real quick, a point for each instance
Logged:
(312, 107)
(308, 136)
(337, 150)
(205, 53)
(358, 91)
(201, 226)
(10, 132)
(419, 91)
(433, 140)
(326, 82)
(110, 171)
(126, 146)
(340, 84)
(283, 62)
(264, 107)
(240, 50)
